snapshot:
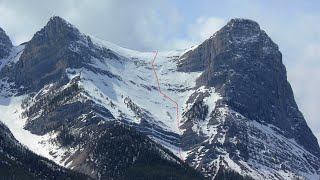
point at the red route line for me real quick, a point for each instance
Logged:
(177, 106)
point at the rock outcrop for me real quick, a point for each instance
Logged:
(5, 44)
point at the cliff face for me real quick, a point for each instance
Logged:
(53, 49)
(245, 66)
(256, 123)
(5, 44)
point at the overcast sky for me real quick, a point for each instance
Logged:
(148, 25)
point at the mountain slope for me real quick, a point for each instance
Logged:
(17, 162)
(45, 92)
(74, 93)
(256, 125)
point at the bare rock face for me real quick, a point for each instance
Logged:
(53, 49)
(245, 67)
(45, 56)
(5, 44)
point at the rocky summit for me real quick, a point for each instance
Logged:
(94, 107)
(257, 110)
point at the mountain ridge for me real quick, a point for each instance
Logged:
(267, 64)
(73, 83)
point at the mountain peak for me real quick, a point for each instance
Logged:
(243, 31)
(57, 46)
(5, 44)
(241, 21)
(57, 20)
(56, 30)
(48, 52)
(245, 66)
(242, 24)
(57, 27)
(239, 36)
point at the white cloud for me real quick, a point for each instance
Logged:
(147, 25)
(304, 75)
(9, 18)
(300, 44)
(141, 25)
(198, 31)
(205, 27)
(313, 52)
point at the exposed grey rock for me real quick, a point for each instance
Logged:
(57, 46)
(63, 107)
(5, 44)
(245, 66)
(257, 112)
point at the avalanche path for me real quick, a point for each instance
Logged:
(167, 97)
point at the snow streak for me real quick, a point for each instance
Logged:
(167, 97)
